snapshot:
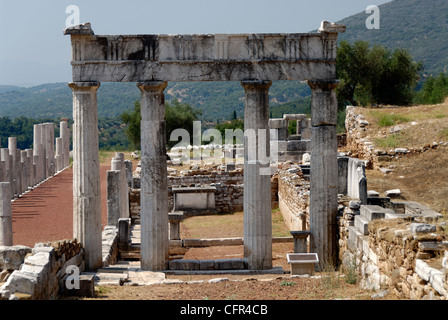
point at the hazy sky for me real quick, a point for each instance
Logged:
(34, 51)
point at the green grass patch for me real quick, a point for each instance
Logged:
(385, 119)
(392, 141)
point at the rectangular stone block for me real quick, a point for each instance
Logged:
(362, 225)
(278, 123)
(185, 265)
(229, 264)
(370, 212)
(206, 264)
(86, 287)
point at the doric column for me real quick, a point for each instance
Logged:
(37, 150)
(25, 171)
(49, 128)
(6, 235)
(7, 172)
(15, 173)
(43, 139)
(324, 172)
(154, 192)
(257, 179)
(31, 173)
(59, 157)
(65, 135)
(86, 172)
(113, 197)
(117, 164)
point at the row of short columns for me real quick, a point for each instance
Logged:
(21, 170)
(154, 191)
(24, 169)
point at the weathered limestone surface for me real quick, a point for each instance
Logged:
(257, 182)
(113, 197)
(86, 172)
(154, 192)
(324, 172)
(6, 235)
(151, 60)
(223, 57)
(65, 135)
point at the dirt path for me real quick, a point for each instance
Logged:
(46, 213)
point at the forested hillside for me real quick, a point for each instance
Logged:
(419, 26)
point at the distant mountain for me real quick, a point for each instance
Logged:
(4, 88)
(216, 100)
(420, 26)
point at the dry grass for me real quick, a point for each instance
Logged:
(230, 225)
(420, 124)
(421, 177)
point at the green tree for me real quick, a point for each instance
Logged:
(132, 121)
(177, 115)
(434, 90)
(375, 75)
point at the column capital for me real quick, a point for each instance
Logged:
(325, 85)
(84, 85)
(256, 84)
(152, 85)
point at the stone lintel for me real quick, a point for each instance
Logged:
(203, 57)
(194, 190)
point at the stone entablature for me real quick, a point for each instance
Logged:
(202, 57)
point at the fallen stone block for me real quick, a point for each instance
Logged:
(393, 193)
(372, 212)
(419, 228)
(362, 225)
(86, 287)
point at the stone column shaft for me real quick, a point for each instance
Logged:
(257, 184)
(15, 177)
(6, 235)
(31, 174)
(324, 173)
(37, 150)
(154, 192)
(49, 127)
(113, 197)
(59, 157)
(7, 172)
(25, 173)
(86, 172)
(43, 139)
(118, 163)
(65, 135)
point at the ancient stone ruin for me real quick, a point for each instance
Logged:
(253, 59)
(22, 170)
(322, 195)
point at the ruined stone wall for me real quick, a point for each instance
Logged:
(42, 274)
(229, 189)
(359, 145)
(396, 257)
(293, 198)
